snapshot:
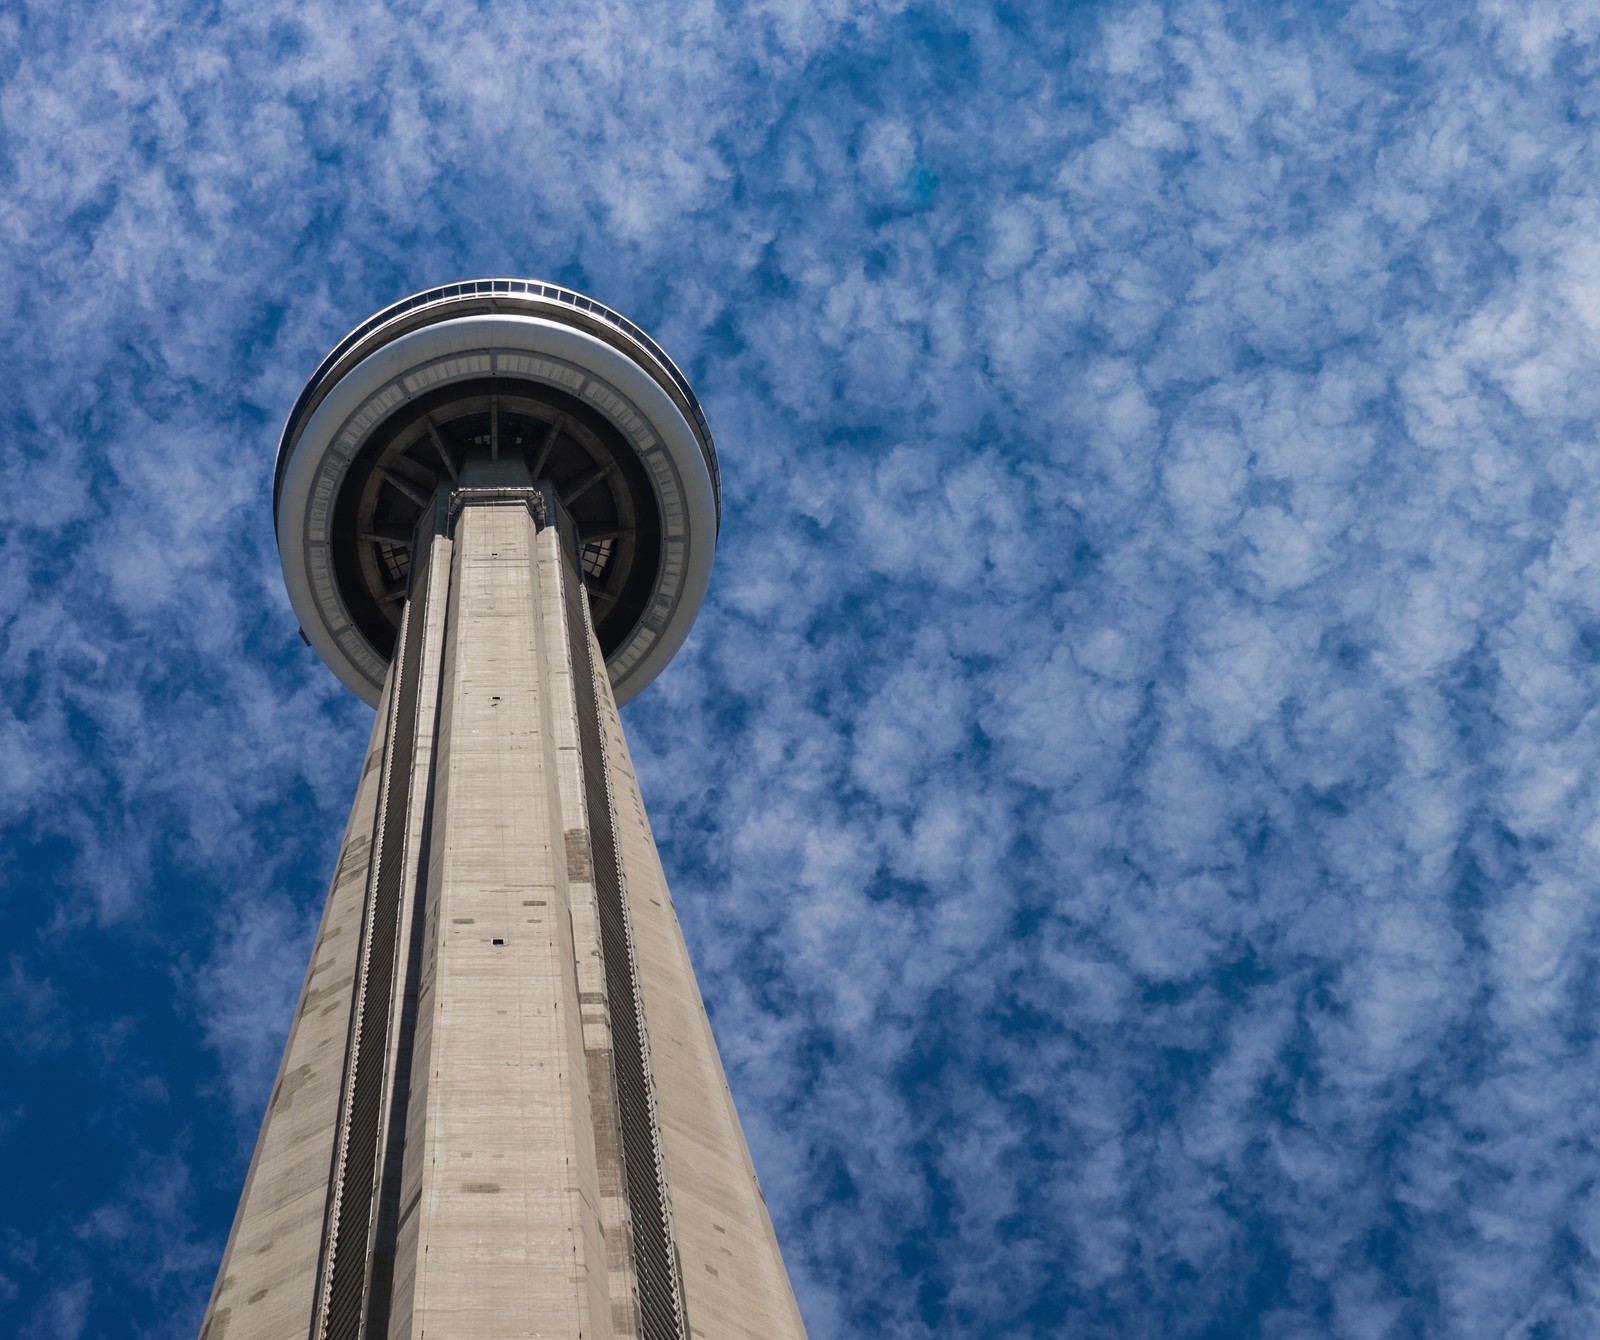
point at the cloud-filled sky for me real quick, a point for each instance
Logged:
(1133, 795)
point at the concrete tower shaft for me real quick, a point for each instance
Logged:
(500, 1111)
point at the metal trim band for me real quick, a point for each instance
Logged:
(475, 296)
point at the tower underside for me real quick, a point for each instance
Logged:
(500, 1110)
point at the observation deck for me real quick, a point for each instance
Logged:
(497, 375)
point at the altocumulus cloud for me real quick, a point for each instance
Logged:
(1132, 792)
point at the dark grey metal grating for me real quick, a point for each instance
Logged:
(654, 1254)
(343, 1290)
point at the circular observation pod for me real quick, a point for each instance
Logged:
(512, 371)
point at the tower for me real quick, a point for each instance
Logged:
(500, 1111)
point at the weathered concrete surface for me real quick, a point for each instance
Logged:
(561, 667)
(508, 1223)
(511, 1197)
(391, 1277)
(269, 1269)
(735, 1284)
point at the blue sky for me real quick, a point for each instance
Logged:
(1132, 793)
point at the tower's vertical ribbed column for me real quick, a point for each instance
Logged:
(585, 817)
(734, 1283)
(501, 1111)
(399, 1180)
(507, 1237)
(265, 1285)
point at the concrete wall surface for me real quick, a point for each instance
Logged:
(555, 1152)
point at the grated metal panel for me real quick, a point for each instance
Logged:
(342, 1292)
(660, 1293)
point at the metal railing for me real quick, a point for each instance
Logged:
(490, 289)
